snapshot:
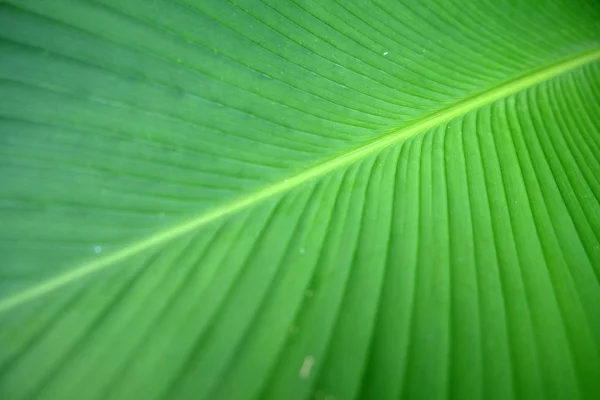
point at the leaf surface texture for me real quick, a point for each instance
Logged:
(330, 200)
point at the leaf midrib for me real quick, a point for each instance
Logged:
(350, 156)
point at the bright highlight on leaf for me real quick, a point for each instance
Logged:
(294, 199)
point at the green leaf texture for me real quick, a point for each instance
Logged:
(297, 199)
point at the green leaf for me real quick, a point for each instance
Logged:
(295, 199)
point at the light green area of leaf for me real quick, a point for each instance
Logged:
(294, 199)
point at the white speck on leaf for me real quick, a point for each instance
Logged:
(302, 250)
(98, 249)
(386, 53)
(307, 365)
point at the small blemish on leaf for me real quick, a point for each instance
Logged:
(307, 365)
(97, 249)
